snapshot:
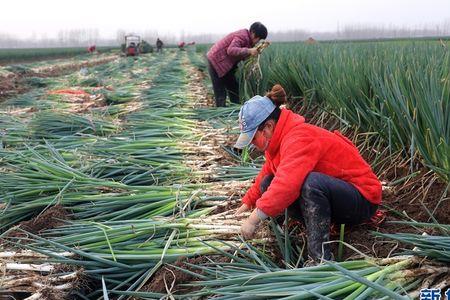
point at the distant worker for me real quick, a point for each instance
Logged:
(91, 49)
(181, 45)
(159, 45)
(224, 56)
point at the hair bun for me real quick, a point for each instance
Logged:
(277, 95)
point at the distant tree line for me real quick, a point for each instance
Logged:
(64, 38)
(85, 37)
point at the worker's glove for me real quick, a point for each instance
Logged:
(244, 207)
(248, 228)
(250, 224)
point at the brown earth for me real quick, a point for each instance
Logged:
(14, 84)
(51, 218)
(11, 85)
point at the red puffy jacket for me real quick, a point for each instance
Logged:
(298, 148)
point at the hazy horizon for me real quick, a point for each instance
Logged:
(26, 19)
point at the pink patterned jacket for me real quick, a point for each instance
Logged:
(233, 48)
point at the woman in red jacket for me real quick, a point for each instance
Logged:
(224, 56)
(317, 175)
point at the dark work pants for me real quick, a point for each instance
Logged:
(222, 85)
(325, 199)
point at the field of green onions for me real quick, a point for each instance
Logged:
(400, 90)
(128, 188)
(8, 56)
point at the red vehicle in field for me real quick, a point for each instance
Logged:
(132, 43)
(91, 49)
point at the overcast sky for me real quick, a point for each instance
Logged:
(23, 17)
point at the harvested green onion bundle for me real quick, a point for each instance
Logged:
(47, 179)
(50, 124)
(121, 251)
(252, 275)
(436, 247)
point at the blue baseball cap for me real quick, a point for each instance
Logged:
(251, 115)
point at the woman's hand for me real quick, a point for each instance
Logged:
(249, 225)
(244, 207)
(253, 51)
(248, 228)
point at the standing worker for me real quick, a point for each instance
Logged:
(317, 175)
(224, 56)
(159, 45)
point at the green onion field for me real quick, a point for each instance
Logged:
(118, 179)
